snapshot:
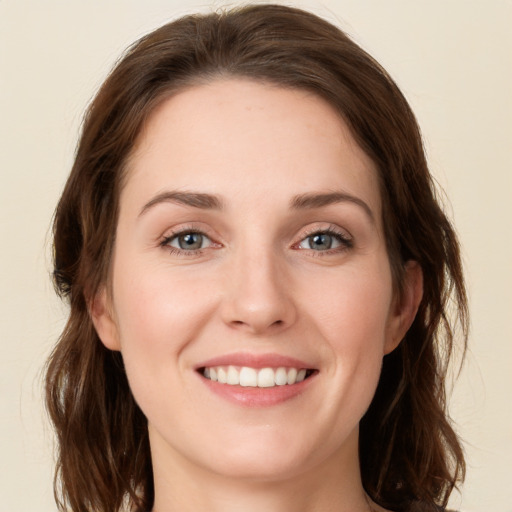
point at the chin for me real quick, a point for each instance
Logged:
(272, 455)
(260, 467)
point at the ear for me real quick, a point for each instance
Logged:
(405, 306)
(103, 319)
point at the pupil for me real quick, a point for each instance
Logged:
(191, 241)
(320, 241)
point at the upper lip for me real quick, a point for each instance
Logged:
(268, 360)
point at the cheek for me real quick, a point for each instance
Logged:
(353, 317)
(354, 305)
(156, 318)
(159, 311)
(153, 300)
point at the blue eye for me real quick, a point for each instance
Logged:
(321, 241)
(324, 241)
(189, 241)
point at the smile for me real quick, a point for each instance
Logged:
(246, 376)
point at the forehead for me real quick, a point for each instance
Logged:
(249, 140)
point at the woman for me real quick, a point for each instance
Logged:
(258, 273)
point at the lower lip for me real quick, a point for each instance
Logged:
(258, 397)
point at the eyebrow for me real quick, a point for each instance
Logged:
(194, 199)
(311, 201)
(212, 202)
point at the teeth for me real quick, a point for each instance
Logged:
(292, 376)
(233, 377)
(248, 377)
(266, 378)
(251, 377)
(222, 376)
(281, 377)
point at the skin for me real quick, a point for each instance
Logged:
(256, 286)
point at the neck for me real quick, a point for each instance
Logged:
(334, 486)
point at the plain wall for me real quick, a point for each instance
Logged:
(452, 59)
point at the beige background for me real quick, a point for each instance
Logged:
(452, 59)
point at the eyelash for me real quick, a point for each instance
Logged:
(346, 242)
(165, 243)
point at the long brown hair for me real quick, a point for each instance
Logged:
(409, 453)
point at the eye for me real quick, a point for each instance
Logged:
(187, 241)
(325, 240)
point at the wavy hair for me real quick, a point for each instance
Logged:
(409, 452)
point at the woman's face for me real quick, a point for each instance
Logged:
(250, 249)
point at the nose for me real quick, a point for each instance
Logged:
(258, 295)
